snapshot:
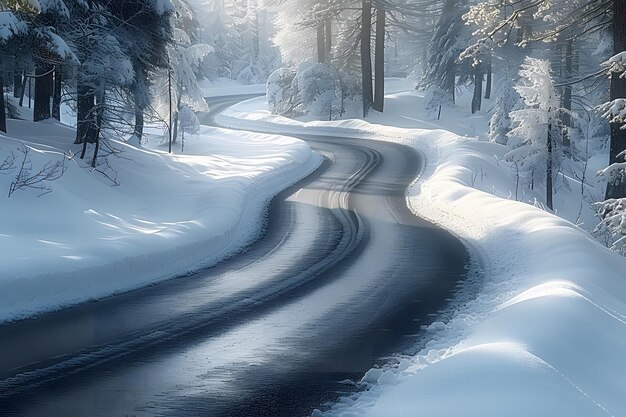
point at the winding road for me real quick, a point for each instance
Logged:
(343, 278)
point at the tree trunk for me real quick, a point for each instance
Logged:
(618, 90)
(478, 88)
(328, 37)
(366, 55)
(23, 88)
(43, 92)
(175, 130)
(489, 77)
(379, 88)
(3, 113)
(56, 96)
(84, 115)
(17, 84)
(169, 90)
(99, 116)
(257, 35)
(138, 131)
(176, 119)
(450, 82)
(321, 44)
(549, 170)
(567, 92)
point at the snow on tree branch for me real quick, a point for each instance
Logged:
(36, 179)
(613, 224)
(616, 64)
(615, 111)
(10, 26)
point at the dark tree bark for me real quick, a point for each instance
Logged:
(17, 84)
(450, 86)
(56, 96)
(3, 113)
(99, 111)
(618, 90)
(321, 44)
(138, 130)
(176, 120)
(478, 88)
(379, 87)
(549, 170)
(43, 92)
(366, 55)
(567, 91)
(175, 129)
(489, 77)
(84, 116)
(328, 37)
(169, 90)
(23, 88)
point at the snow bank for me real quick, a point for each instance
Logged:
(169, 215)
(546, 334)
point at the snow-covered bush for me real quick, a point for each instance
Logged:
(434, 100)
(279, 91)
(536, 154)
(317, 90)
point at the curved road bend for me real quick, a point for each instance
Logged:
(342, 278)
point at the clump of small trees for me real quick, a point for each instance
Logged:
(315, 89)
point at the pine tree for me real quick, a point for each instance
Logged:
(536, 134)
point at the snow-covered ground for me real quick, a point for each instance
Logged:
(170, 214)
(545, 335)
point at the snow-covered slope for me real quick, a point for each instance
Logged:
(546, 333)
(169, 215)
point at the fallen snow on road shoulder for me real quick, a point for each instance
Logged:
(546, 334)
(170, 214)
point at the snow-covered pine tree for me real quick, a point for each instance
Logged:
(444, 49)
(612, 211)
(535, 136)
(500, 122)
(145, 28)
(240, 33)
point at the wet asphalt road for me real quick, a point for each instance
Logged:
(343, 278)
